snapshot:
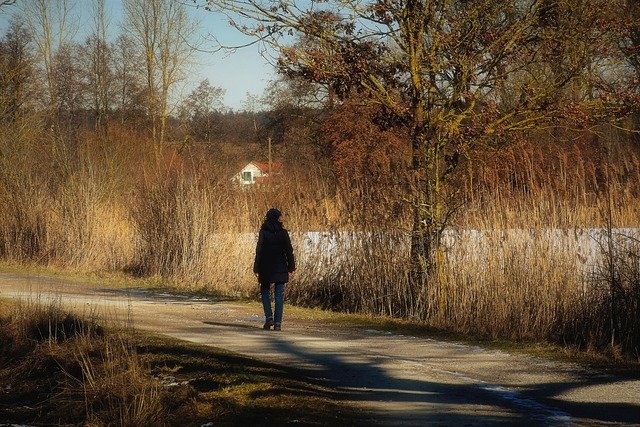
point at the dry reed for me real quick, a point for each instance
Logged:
(523, 258)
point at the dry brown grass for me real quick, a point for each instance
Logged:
(515, 266)
(59, 366)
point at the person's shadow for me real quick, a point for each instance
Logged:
(412, 401)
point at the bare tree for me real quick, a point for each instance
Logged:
(175, 52)
(97, 54)
(70, 92)
(17, 73)
(49, 22)
(629, 45)
(128, 78)
(437, 68)
(143, 19)
(199, 107)
(162, 29)
(629, 39)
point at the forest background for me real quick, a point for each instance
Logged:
(536, 232)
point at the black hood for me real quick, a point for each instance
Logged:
(271, 222)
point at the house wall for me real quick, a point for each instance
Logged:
(255, 173)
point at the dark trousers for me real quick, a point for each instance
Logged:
(265, 293)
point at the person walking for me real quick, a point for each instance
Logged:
(274, 263)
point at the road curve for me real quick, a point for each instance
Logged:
(396, 379)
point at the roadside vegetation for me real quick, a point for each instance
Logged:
(537, 254)
(64, 368)
(529, 231)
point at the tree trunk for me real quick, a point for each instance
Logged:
(427, 253)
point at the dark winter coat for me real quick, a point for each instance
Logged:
(274, 254)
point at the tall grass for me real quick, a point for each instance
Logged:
(525, 258)
(529, 261)
(66, 367)
(61, 202)
(24, 198)
(173, 216)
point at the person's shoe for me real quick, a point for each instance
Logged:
(268, 324)
(277, 327)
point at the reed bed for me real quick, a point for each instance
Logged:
(525, 258)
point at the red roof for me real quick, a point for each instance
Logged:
(276, 167)
(265, 179)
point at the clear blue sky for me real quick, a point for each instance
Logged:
(242, 71)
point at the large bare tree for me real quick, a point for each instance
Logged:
(438, 68)
(53, 28)
(162, 30)
(70, 90)
(97, 58)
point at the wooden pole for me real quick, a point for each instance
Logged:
(269, 156)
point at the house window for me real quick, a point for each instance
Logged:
(246, 176)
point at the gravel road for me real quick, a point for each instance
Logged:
(396, 379)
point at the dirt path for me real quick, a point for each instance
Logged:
(399, 380)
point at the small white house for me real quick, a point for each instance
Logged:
(257, 172)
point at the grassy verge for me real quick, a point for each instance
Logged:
(92, 278)
(208, 384)
(611, 363)
(57, 368)
(569, 354)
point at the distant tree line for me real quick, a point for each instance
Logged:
(49, 76)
